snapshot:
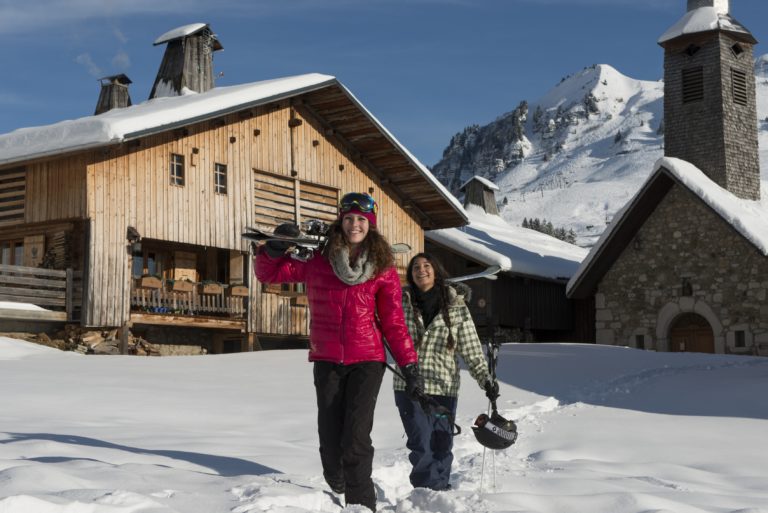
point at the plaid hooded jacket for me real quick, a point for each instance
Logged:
(439, 365)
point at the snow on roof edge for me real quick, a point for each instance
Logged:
(483, 181)
(443, 238)
(233, 108)
(184, 30)
(701, 19)
(105, 129)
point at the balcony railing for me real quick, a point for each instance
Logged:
(165, 300)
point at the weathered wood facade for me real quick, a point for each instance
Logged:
(171, 204)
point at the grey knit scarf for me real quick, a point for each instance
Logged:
(361, 272)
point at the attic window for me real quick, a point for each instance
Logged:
(737, 50)
(177, 169)
(13, 185)
(739, 86)
(693, 84)
(692, 49)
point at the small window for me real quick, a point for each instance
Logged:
(12, 252)
(177, 169)
(693, 85)
(692, 50)
(220, 178)
(640, 341)
(737, 50)
(739, 86)
(739, 338)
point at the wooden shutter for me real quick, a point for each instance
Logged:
(318, 202)
(12, 195)
(693, 84)
(739, 86)
(274, 199)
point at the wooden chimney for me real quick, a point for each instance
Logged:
(114, 93)
(480, 191)
(188, 61)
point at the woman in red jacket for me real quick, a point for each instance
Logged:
(355, 299)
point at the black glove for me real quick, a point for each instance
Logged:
(414, 382)
(491, 390)
(277, 248)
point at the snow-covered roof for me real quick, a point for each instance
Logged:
(747, 217)
(492, 186)
(178, 32)
(489, 240)
(703, 19)
(166, 113)
(151, 116)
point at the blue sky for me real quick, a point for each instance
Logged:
(425, 68)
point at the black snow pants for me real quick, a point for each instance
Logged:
(346, 399)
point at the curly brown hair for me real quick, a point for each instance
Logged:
(375, 244)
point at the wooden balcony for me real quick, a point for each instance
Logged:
(174, 304)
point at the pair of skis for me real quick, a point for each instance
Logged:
(305, 244)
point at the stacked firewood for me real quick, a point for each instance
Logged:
(89, 341)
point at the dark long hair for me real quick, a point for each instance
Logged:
(443, 291)
(379, 251)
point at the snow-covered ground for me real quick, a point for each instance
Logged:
(602, 430)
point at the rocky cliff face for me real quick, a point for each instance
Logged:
(489, 150)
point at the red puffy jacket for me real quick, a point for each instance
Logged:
(344, 327)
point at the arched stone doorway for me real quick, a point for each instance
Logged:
(690, 332)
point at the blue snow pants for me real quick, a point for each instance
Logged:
(430, 440)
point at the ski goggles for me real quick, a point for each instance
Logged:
(358, 201)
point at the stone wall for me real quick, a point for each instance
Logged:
(683, 240)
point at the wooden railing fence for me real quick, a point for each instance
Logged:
(164, 301)
(53, 290)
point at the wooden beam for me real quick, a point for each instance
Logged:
(189, 322)
(32, 315)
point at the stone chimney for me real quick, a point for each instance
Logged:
(188, 61)
(710, 112)
(481, 192)
(114, 93)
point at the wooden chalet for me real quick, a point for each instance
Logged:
(146, 204)
(527, 301)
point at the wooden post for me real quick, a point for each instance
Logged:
(68, 296)
(250, 343)
(124, 334)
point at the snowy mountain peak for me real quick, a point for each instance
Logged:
(574, 157)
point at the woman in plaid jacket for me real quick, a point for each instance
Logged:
(442, 329)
